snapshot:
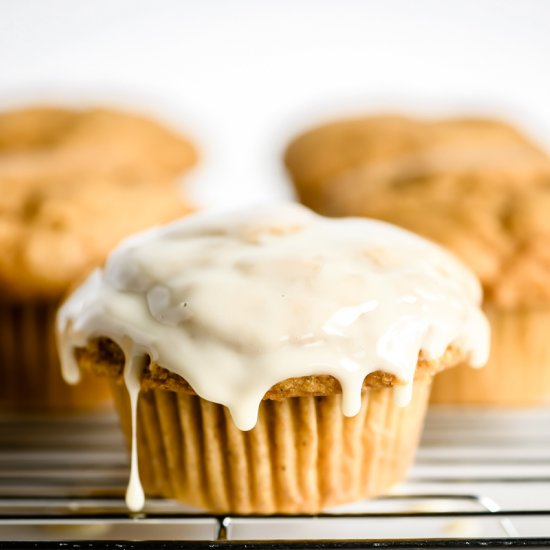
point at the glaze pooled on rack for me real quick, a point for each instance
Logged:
(237, 302)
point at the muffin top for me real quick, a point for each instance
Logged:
(58, 142)
(236, 303)
(476, 186)
(73, 184)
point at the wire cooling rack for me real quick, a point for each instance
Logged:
(481, 479)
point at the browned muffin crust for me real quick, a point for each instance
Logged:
(57, 142)
(322, 153)
(104, 358)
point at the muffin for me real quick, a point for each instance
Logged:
(282, 360)
(478, 187)
(73, 184)
(61, 142)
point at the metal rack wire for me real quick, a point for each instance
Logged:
(481, 478)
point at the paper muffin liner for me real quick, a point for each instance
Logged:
(518, 371)
(30, 374)
(302, 456)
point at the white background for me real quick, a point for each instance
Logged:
(242, 76)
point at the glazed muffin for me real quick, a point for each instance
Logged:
(282, 360)
(478, 187)
(69, 194)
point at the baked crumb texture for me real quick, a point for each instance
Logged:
(477, 186)
(105, 358)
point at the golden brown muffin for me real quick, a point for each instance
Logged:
(291, 461)
(60, 142)
(477, 186)
(73, 184)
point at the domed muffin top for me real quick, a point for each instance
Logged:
(236, 302)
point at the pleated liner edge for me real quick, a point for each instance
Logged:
(302, 456)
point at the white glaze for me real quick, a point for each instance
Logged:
(238, 302)
(135, 497)
(235, 303)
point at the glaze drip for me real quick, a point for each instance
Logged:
(135, 497)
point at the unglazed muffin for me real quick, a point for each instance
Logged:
(73, 184)
(282, 360)
(476, 186)
(60, 142)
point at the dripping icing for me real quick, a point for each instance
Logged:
(237, 303)
(402, 394)
(133, 367)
